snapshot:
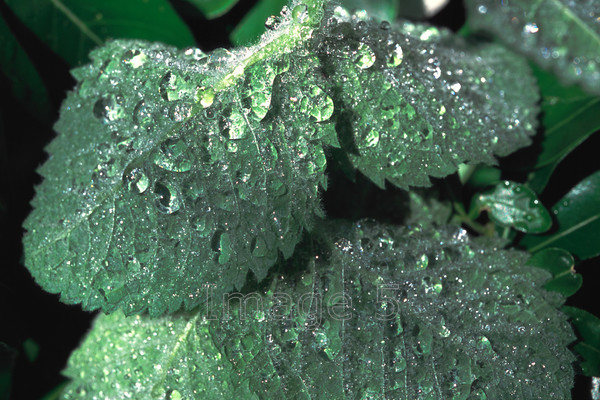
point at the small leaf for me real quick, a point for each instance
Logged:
(71, 28)
(588, 328)
(213, 8)
(253, 24)
(25, 82)
(512, 204)
(402, 108)
(561, 35)
(385, 313)
(560, 264)
(578, 217)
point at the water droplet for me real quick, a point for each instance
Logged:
(157, 391)
(142, 115)
(174, 395)
(201, 225)
(109, 108)
(135, 58)
(482, 9)
(168, 200)
(273, 22)
(430, 33)
(205, 96)
(322, 105)
(300, 13)
(385, 25)
(395, 57)
(167, 87)
(136, 180)
(531, 28)
(173, 155)
(422, 262)
(370, 138)
(364, 57)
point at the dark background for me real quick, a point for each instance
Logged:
(30, 315)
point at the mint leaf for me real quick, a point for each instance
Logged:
(174, 171)
(415, 101)
(386, 313)
(560, 35)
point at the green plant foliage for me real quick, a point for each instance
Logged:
(417, 96)
(7, 364)
(511, 204)
(578, 217)
(389, 313)
(175, 170)
(588, 328)
(253, 24)
(71, 28)
(560, 35)
(26, 84)
(560, 264)
(213, 8)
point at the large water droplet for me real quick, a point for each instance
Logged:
(273, 22)
(142, 115)
(300, 14)
(167, 200)
(136, 180)
(134, 58)
(364, 57)
(369, 138)
(173, 155)
(109, 108)
(167, 87)
(395, 56)
(320, 105)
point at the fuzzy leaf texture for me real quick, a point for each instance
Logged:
(562, 35)
(389, 313)
(175, 171)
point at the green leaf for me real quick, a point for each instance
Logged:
(387, 313)
(408, 123)
(570, 116)
(588, 328)
(560, 35)
(263, 16)
(383, 10)
(513, 205)
(25, 82)
(560, 264)
(578, 217)
(7, 363)
(213, 8)
(175, 171)
(71, 28)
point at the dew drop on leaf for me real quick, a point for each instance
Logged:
(364, 57)
(134, 58)
(142, 115)
(300, 13)
(173, 155)
(167, 201)
(395, 56)
(136, 180)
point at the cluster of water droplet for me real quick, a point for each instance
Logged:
(547, 33)
(415, 96)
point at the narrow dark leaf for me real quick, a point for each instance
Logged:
(588, 328)
(560, 264)
(264, 16)
(72, 28)
(578, 217)
(26, 84)
(213, 8)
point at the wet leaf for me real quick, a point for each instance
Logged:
(213, 8)
(560, 35)
(388, 313)
(175, 170)
(578, 217)
(25, 82)
(560, 264)
(401, 108)
(588, 328)
(513, 205)
(71, 28)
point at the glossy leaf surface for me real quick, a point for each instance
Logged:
(71, 28)
(561, 35)
(512, 204)
(388, 313)
(578, 218)
(588, 328)
(560, 264)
